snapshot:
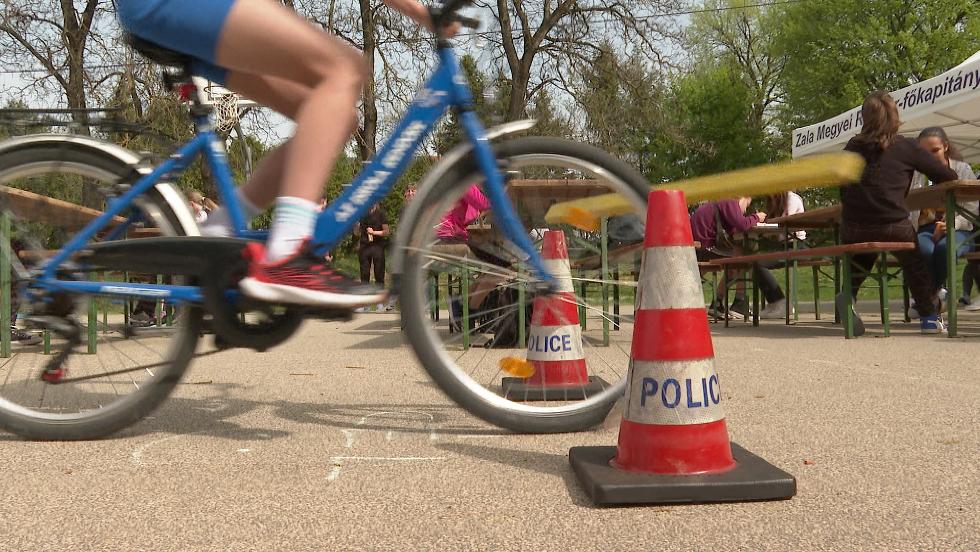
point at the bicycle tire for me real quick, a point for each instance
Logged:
(93, 424)
(429, 350)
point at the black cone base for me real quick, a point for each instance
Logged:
(517, 389)
(752, 479)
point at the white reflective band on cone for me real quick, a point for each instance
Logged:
(559, 269)
(671, 279)
(555, 343)
(680, 392)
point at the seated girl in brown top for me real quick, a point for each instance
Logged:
(875, 208)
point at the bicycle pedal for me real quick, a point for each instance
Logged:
(54, 375)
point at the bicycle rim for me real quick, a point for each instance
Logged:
(131, 353)
(577, 343)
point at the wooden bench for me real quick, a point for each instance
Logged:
(846, 251)
(620, 254)
(69, 216)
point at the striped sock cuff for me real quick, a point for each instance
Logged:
(293, 210)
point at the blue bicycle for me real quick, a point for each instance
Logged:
(109, 262)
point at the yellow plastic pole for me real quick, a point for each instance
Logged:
(818, 171)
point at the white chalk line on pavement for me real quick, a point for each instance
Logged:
(137, 454)
(350, 434)
(338, 462)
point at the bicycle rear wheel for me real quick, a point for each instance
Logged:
(577, 343)
(132, 353)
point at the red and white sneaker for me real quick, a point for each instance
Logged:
(304, 279)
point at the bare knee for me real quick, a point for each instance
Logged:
(345, 71)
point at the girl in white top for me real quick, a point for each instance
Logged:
(783, 205)
(933, 234)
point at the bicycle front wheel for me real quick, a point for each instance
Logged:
(533, 364)
(131, 353)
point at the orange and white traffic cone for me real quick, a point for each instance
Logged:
(673, 442)
(554, 343)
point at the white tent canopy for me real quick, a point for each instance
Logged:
(950, 100)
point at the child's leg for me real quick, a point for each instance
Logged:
(261, 37)
(284, 97)
(264, 38)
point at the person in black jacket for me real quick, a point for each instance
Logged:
(874, 209)
(373, 232)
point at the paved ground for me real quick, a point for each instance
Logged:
(337, 441)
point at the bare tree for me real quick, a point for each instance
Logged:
(394, 51)
(744, 35)
(65, 38)
(542, 40)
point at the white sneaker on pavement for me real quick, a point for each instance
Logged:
(932, 325)
(775, 310)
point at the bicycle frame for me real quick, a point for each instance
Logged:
(446, 88)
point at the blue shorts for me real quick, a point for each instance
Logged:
(190, 27)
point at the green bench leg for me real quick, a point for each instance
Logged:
(756, 297)
(906, 303)
(171, 314)
(714, 286)
(792, 302)
(816, 291)
(105, 311)
(521, 307)
(838, 288)
(616, 299)
(951, 245)
(796, 298)
(465, 299)
(883, 295)
(848, 314)
(433, 293)
(725, 296)
(790, 282)
(127, 304)
(93, 322)
(5, 281)
(158, 305)
(604, 277)
(582, 312)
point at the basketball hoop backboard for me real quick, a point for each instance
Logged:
(212, 92)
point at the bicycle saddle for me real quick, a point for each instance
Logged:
(159, 54)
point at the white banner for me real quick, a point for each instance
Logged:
(928, 103)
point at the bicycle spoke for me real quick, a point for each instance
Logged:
(106, 380)
(565, 361)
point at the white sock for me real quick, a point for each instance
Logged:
(293, 222)
(219, 224)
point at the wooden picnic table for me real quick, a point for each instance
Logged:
(921, 198)
(824, 217)
(946, 196)
(55, 212)
(35, 207)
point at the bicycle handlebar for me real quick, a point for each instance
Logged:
(444, 14)
(450, 7)
(468, 22)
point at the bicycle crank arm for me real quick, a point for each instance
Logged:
(55, 370)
